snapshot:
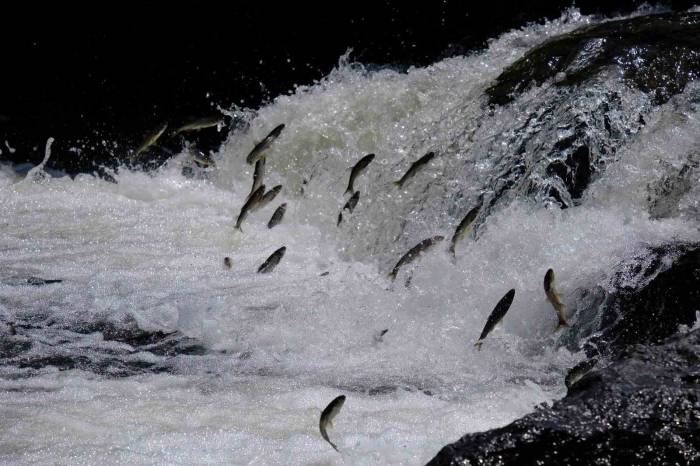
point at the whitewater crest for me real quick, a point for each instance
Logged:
(152, 351)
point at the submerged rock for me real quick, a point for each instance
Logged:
(110, 348)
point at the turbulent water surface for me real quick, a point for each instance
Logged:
(150, 351)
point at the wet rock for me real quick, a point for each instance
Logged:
(110, 348)
(658, 54)
(653, 294)
(642, 409)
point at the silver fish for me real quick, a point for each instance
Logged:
(267, 198)
(327, 416)
(496, 316)
(357, 171)
(554, 298)
(200, 123)
(578, 371)
(463, 228)
(258, 175)
(277, 216)
(31, 281)
(352, 202)
(260, 147)
(272, 261)
(379, 336)
(249, 205)
(414, 168)
(413, 253)
(151, 139)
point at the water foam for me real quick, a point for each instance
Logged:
(280, 346)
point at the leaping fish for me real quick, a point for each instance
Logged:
(277, 216)
(151, 139)
(249, 205)
(327, 416)
(199, 123)
(496, 316)
(260, 147)
(463, 228)
(415, 166)
(413, 253)
(357, 171)
(554, 298)
(578, 371)
(267, 198)
(258, 175)
(272, 261)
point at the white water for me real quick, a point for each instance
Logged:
(282, 345)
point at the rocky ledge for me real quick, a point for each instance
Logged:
(644, 406)
(642, 409)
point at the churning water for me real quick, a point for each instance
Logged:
(267, 352)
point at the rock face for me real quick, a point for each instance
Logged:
(642, 409)
(653, 293)
(658, 54)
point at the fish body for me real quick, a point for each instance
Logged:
(414, 168)
(260, 147)
(379, 336)
(252, 201)
(327, 415)
(554, 298)
(496, 316)
(267, 198)
(357, 171)
(258, 175)
(578, 371)
(272, 261)
(151, 139)
(200, 123)
(463, 228)
(352, 202)
(31, 281)
(227, 262)
(277, 216)
(413, 253)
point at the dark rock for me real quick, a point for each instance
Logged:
(53, 345)
(658, 54)
(654, 293)
(665, 194)
(642, 409)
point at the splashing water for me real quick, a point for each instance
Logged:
(276, 348)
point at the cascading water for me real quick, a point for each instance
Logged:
(170, 358)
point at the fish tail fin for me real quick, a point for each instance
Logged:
(562, 323)
(238, 227)
(478, 345)
(397, 183)
(392, 275)
(349, 190)
(452, 252)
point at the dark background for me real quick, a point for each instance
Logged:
(111, 74)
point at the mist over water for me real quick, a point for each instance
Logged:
(273, 349)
